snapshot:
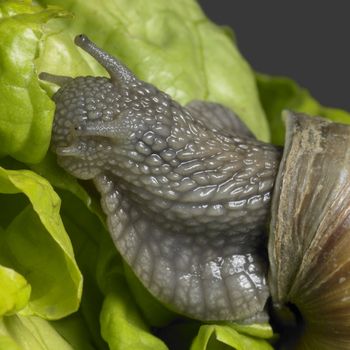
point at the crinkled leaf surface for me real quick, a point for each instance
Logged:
(280, 93)
(198, 60)
(36, 244)
(25, 109)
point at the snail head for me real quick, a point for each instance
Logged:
(158, 151)
(94, 114)
(191, 184)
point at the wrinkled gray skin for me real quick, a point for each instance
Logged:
(186, 189)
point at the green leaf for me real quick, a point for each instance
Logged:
(258, 330)
(280, 93)
(121, 324)
(26, 110)
(104, 281)
(36, 245)
(59, 178)
(88, 237)
(215, 337)
(155, 313)
(7, 343)
(74, 329)
(30, 333)
(15, 203)
(14, 291)
(228, 77)
(198, 59)
(102, 267)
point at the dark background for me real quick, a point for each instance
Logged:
(308, 41)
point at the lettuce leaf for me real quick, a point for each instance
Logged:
(26, 110)
(219, 336)
(31, 333)
(36, 245)
(155, 313)
(121, 324)
(14, 292)
(281, 93)
(106, 294)
(75, 331)
(198, 59)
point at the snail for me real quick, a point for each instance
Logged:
(187, 191)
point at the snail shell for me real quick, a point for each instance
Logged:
(186, 189)
(309, 243)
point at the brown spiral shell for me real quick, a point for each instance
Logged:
(309, 243)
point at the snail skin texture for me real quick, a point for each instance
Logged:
(187, 192)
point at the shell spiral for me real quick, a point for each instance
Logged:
(310, 231)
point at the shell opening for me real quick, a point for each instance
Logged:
(287, 321)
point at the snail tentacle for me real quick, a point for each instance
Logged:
(117, 71)
(59, 80)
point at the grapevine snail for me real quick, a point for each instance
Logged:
(188, 190)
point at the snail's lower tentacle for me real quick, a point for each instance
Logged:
(60, 80)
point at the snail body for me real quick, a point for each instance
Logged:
(187, 192)
(186, 196)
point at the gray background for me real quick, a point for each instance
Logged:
(308, 41)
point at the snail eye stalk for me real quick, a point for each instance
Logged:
(117, 71)
(59, 80)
